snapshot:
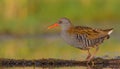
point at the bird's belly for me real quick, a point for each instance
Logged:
(68, 39)
(71, 40)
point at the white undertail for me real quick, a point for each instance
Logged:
(110, 32)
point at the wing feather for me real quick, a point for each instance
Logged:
(89, 32)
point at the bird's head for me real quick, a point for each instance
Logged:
(63, 22)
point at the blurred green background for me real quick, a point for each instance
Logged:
(24, 34)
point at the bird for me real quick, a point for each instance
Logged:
(82, 37)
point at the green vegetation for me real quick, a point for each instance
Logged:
(33, 16)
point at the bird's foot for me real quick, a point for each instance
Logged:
(90, 63)
(89, 60)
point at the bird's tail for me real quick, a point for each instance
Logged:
(109, 31)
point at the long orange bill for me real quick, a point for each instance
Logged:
(54, 25)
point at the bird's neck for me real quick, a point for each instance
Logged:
(66, 28)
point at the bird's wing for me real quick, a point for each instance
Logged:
(89, 32)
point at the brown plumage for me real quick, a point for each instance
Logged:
(90, 32)
(82, 37)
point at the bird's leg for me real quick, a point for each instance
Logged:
(91, 57)
(89, 54)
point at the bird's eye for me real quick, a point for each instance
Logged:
(60, 22)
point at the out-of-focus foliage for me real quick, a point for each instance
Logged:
(32, 16)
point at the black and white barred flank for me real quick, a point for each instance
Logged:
(86, 43)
